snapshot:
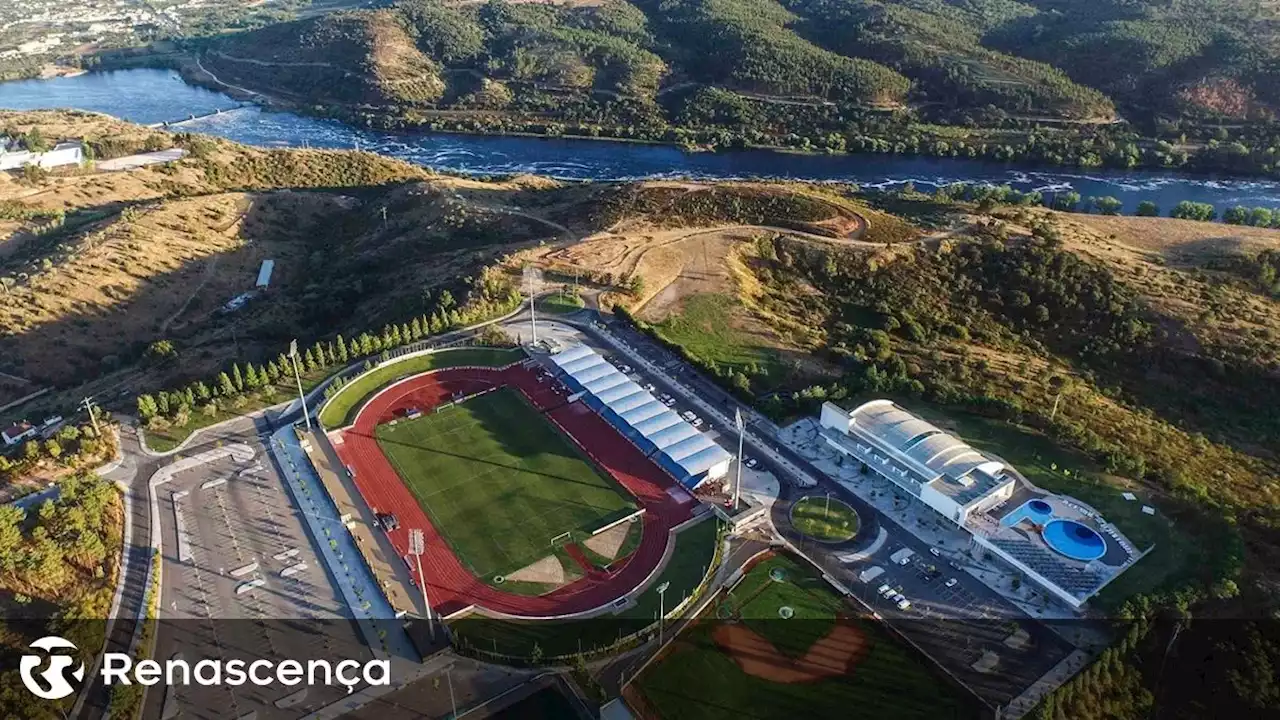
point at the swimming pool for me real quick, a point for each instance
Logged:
(1074, 540)
(1037, 511)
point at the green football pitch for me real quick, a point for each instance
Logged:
(499, 481)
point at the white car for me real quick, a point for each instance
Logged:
(883, 589)
(936, 552)
(697, 422)
(751, 462)
(951, 583)
(903, 604)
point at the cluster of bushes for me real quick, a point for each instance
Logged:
(72, 446)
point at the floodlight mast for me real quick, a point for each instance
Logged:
(418, 545)
(293, 355)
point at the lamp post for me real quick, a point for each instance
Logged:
(417, 545)
(297, 375)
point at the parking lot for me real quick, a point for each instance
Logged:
(241, 579)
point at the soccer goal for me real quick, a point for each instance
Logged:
(562, 539)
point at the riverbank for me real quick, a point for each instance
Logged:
(1032, 143)
(149, 96)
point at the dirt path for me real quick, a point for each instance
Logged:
(831, 656)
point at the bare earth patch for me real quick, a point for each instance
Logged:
(607, 543)
(832, 656)
(548, 570)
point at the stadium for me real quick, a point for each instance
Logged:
(538, 491)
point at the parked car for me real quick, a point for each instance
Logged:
(935, 552)
(751, 462)
(388, 521)
(952, 582)
(903, 604)
(884, 589)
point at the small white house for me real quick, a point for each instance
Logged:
(17, 433)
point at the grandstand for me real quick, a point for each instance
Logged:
(1057, 541)
(684, 452)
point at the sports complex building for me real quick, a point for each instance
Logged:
(683, 451)
(1060, 543)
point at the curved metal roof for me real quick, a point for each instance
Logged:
(663, 420)
(637, 414)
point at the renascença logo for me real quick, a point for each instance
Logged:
(54, 685)
(119, 668)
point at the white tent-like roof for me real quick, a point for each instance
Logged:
(684, 451)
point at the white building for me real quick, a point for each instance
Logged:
(17, 433)
(68, 153)
(1058, 542)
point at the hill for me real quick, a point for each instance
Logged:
(1096, 353)
(1120, 83)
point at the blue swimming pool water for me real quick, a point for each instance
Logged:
(1074, 540)
(1037, 511)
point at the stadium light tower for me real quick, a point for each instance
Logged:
(737, 490)
(531, 276)
(417, 545)
(293, 355)
(662, 609)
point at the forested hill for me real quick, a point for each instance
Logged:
(960, 61)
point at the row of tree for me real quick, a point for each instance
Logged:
(246, 382)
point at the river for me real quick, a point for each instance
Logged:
(152, 96)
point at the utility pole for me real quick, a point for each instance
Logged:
(418, 545)
(384, 217)
(737, 490)
(297, 375)
(89, 407)
(662, 609)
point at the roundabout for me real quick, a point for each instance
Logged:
(824, 519)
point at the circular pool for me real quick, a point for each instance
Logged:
(1040, 507)
(1074, 540)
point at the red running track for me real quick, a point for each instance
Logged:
(450, 585)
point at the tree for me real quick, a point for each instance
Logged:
(1146, 208)
(11, 539)
(147, 407)
(202, 391)
(1261, 217)
(1237, 215)
(251, 380)
(161, 350)
(636, 285)
(1068, 201)
(340, 348)
(35, 141)
(1187, 210)
(31, 450)
(1107, 205)
(226, 388)
(237, 377)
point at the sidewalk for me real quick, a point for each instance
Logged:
(394, 575)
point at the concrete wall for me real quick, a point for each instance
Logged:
(833, 417)
(67, 154)
(944, 505)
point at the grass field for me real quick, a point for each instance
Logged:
(693, 555)
(500, 481)
(705, 328)
(824, 519)
(341, 409)
(697, 680)
(560, 303)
